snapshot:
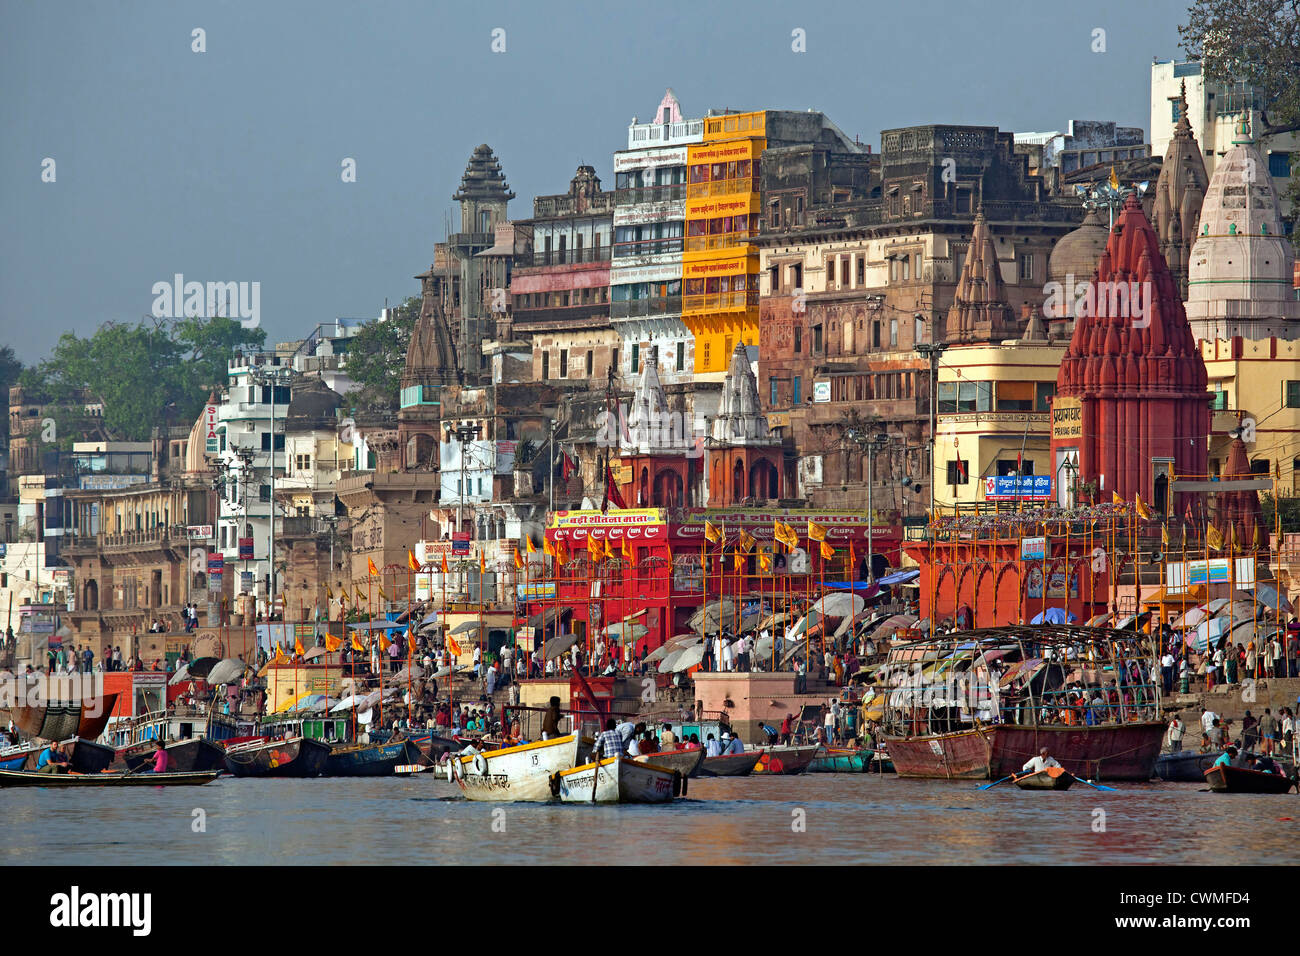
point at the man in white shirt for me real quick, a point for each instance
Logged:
(1208, 717)
(1176, 732)
(1167, 672)
(1041, 762)
(711, 747)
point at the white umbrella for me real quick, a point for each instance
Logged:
(839, 604)
(673, 645)
(630, 631)
(347, 703)
(688, 658)
(774, 619)
(805, 622)
(1191, 618)
(1210, 630)
(466, 626)
(414, 672)
(558, 645)
(713, 611)
(181, 675)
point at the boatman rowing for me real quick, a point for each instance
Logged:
(1041, 762)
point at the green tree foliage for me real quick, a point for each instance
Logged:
(146, 375)
(377, 357)
(1269, 509)
(10, 368)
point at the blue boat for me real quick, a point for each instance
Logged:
(369, 760)
(15, 758)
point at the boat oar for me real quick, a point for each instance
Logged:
(1095, 786)
(990, 786)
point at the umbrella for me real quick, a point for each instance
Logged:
(181, 675)
(558, 645)
(466, 626)
(682, 659)
(1238, 611)
(899, 577)
(347, 703)
(763, 647)
(1128, 621)
(429, 619)
(672, 645)
(1099, 620)
(1208, 630)
(839, 604)
(313, 653)
(805, 622)
(750, 621)
(1054, 615)
(626, 631)
(311, 702)
(227, 670)
(414, 672)
(780, 618)
(290, 702)
(1269, 597)
(1191, 618)
(713, 611)
(201, 666)
(896, 621)
(1218, 604)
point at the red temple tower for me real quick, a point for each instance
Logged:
(1131, 409)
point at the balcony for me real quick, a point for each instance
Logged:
(724, 240)
(563, 257)
(574, 317)
(642, 135)
(634, 195)
(720, 302)
(723, 187)
(636, 308)
(647, 247)
(472, 239)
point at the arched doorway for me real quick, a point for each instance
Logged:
(738, 481)
(763, 480)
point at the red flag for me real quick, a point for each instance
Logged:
(611, 489)
(567, 465)
(961, 467)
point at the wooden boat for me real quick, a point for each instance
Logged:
(1185, 766)
(618, 780)
(731, 765)
(1243, 780)
(687, 762)
(369, 760)
(513, 773)
(291, 757)
(787, 760)
(16, 757)
(841, 760)
(433, 746)
(195, 755)
(24, 778)
(84, 756)
(1049, 778)
(59, 720)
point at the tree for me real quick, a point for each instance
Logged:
(10, 368)
(1255, 41)
(376, 357)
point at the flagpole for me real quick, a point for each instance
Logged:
(704, 607)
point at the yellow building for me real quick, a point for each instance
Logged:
(993, 416)
(720, 261)
(1255, 386)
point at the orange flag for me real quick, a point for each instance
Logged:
(452, 645)
(356, 643)
(482, 564)
(333, 643)
(444, 563)
(374, 572)
(532, 548)
(413, 564)
(519, 562)
(297, 646)
(827, 551)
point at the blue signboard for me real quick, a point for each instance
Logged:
(1023, 487)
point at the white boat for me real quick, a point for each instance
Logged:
(513, 773)
(616, 780)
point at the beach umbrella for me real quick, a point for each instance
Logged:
(750, 621)
(805, 622)
(688, 657)
(1238, 611)
(712, 612)
(1217, 605)
(839, 604)
(347, 703)
(466, 626)
(774, 619)
(899, 577)
(1270, 598)
(556, 646)
(227, 670)
(290, 702)
(626, 631)
(1054, 615)
(1099, 620)
(181, 675)
(763, 647)
(1208, 630)
(313, 653)
(311, 702)
(1191, 618)
(414, 672)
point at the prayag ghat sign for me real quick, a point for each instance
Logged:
(1067, 418)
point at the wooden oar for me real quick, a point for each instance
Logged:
(990, 786)
(1095, 786)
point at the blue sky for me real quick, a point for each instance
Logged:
(225, 165)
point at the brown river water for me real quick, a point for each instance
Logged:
(815, 818)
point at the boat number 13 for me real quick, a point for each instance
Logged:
(534, 760)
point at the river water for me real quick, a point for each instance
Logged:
(815, 818)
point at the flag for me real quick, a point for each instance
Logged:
(482, 564)
(608, 552)
(548, 547)
(765, 561)
(1142, 511)
(452, 645)
(738, 559)
(343, 592)
(1259, 537)
(519, 562)
(711, 532)
(827, 551)
(567, 465)
(594, 550)
(333, 643)
(1164, 535)
(816, 532)
(627, 550)
(785, 534)
(1232, 535)
(668, 548)
(561, 553)
(382, 595)
(1115, 499)
(746, 541)
(297, 646)
(411, 563)
(374, 572)
(853, 557)
(329, 593)
(532, 549)
(1114, 179)
(279, 655)
(1213, 538)
(356, 643)
(384, 642)
(444, 563)
(611, 489)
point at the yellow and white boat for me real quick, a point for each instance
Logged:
(513, 773)
(619, 780)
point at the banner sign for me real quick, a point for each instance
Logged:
(1033, 549)
(1023, 487)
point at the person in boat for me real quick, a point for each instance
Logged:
(667, 739)
(159, 758)
(626, 731)
(772, 734)
(648, 743)
(1041, 762)
(711, 747)
(1265, 764)
(732, 745)
(52, 759)
(786, 728)
(1227, 758)
(551, 720)
(609, 743)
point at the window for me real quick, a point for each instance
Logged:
(681, 356)
(817, 340)
(796, 275)
(1261, 466)
(1015, 397)
(918, 330)
(636, 357)
(1175, 108)
(907, 268)
(546, 366)
(302, 462)
(263, 492)
(564, 363)
(266, 442)
(962, 398)
(1043, 392)
(1291, 394)
(591, 360)
(1007, 466)
(1279, 165)
(862, 270)
(772, 392)
(830, 271)
(875, 334)
(893, 333)
(959, 472)
(797, 393)
(893, 269)
(798, 339)
(1026, 267)
(773, 213)
(1220, 402)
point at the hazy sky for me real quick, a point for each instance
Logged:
(225, 165)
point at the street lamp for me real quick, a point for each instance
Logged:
(870, 444)
(275, 376)
(931, 351)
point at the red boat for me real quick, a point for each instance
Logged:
(1114, 752)
(1244, 780)
(787, 760)
(59, 720)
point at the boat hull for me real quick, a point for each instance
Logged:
(295, 757)
(196, 755)
(23, 778)
(685, 762)
(1243, 780)
(1052, 778)
(370, 760)
(842, 761)
(1185, 766)
(618, 780)
(787, 760)
(16, 758)
(731, 765)
(1117, 752)
(59, 720)
(515, 773)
